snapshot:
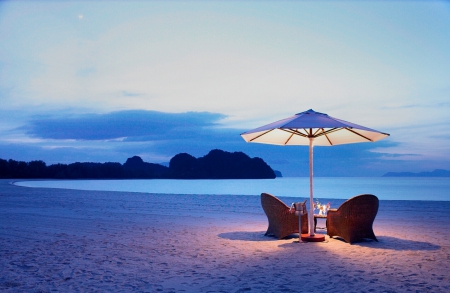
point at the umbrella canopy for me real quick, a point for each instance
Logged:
(312, 128)
(326, 131)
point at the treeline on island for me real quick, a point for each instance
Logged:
(217, 164)
(435, 173)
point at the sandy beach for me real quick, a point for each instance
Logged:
(57, 240)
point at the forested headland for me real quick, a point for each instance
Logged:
(217, 164)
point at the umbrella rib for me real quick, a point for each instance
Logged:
(349, 129)
(318, 129)
(309, 132)
(261, 135)
(285, 143)
(326, 136)
(324, 133)
(329, 131)
(303, 134)
(293, 131)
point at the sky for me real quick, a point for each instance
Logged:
(102, 81)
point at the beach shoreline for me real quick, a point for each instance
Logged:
(425, 189)
(77, 241)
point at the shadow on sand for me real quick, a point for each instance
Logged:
(251, 236)
(393, 243)
(384, 242)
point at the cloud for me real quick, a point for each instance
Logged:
(131, 125)
(130, 94)
(85, 72)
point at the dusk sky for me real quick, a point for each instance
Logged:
(84, 81)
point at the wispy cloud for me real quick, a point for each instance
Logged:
(130, 94)
(85, 72)
(133, 125)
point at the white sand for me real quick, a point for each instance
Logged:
(88, 241)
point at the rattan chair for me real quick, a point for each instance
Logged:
(353, 220)
(282, 223)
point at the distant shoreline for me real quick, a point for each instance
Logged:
(435, 173)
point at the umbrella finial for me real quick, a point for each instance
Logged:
(310, 111)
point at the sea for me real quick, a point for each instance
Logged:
(385, 188)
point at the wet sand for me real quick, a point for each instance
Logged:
(89, 241)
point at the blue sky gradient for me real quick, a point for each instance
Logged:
(103, 81)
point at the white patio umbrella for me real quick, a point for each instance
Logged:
(313, 129)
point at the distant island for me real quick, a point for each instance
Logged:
(217, 164)
(435, 173)
(278, 173)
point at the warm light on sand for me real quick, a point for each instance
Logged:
(68, 240)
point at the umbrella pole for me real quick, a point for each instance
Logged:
(311, 189)
(312, 237)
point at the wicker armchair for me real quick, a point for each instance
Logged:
(281, 222)
(353, 220)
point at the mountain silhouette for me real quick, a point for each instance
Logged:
(217, 164)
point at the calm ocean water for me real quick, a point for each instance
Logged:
(385, 188)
